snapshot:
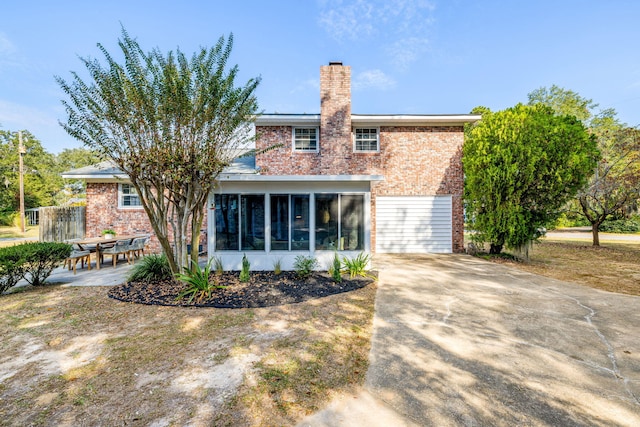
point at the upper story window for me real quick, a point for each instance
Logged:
(128, 197)
(366, 139)
(305, 139)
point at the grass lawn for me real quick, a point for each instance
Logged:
(613, 267)
(14, 232)
(72, 356)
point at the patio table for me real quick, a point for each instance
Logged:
(101, 242)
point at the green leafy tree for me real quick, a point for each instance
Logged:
(171, 123)
(41, 178)
(521, 166)
(615, 182)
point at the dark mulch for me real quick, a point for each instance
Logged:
(264, 289)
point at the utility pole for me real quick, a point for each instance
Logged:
(21, 151)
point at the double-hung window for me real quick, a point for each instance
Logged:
(305, 139)
(366, 140)
(128, 197)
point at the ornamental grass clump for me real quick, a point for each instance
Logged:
(356, 266)
(277, 267)
(150, 269)
(199, 282)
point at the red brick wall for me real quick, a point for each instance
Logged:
(103, 212)
(415, 161)
(422, 161)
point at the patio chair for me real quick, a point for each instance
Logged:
(78, 254)
(137, 246)
(121, 247)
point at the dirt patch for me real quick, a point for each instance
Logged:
(612, 267)
(74, 356)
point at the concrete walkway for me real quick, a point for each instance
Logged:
(459, 341)
(106, 276)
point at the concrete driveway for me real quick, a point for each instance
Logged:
(459, 341)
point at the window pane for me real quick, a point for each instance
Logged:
(300, 220)
(306, 139)
(227, 231)
(129, 195)
(352, 222)
(279, 222)
(366, 139)
(252, 214)
(326, 212)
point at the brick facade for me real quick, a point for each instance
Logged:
(414, 160)
(103, 213)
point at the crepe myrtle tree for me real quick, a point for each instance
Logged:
(521, 166)
(170, 123)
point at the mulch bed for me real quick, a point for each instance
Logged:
(264, 289)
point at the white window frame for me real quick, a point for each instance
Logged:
(121, 196)
(355, 147)
(305, 150)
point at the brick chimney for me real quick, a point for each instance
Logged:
(335, 117)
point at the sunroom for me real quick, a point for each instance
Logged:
(278, 218)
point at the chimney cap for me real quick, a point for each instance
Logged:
(335, 63)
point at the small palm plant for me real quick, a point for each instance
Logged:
(199, 282)
(357, 266)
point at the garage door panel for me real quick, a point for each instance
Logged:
(413, 224)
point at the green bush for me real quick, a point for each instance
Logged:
(244, 273)
(151, 268)
(356, 266)
(631, 225)
(304, 266)
(41, 258)
(10, 219)
(199, 283)
(334, 269)
(12, 267)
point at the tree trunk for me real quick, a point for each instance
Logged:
(495, 249)
(594, 232)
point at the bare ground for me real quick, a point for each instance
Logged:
(612, 267)
(72, 356)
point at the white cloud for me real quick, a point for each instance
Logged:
(373, 79)
(406, 51)
(6, 47)
(356, 20)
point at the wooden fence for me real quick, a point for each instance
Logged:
(58, 224)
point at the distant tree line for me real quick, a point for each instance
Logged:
(43, 184)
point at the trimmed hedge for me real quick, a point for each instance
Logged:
(631, 225)
(12, 267)
(32, 261)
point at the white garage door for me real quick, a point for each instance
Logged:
(413, 224)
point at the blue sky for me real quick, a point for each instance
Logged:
(407, 56)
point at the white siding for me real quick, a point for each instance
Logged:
(413, 224)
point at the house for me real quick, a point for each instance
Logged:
(337, 181)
